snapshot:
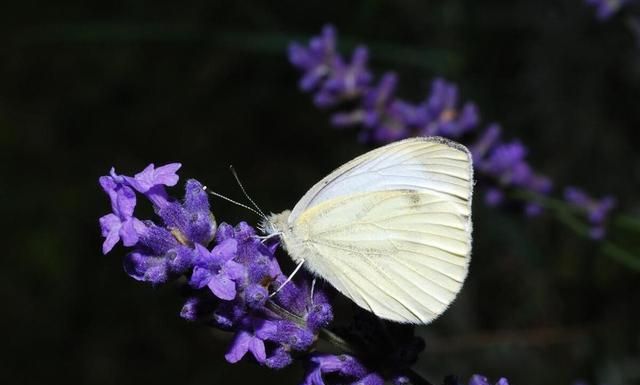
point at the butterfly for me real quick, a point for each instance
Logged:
(391, 229)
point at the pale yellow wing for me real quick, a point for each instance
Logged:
(391, 229)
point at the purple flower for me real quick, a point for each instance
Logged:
(316, 59)
(493, 197)
(342, 365)
(605, 9)
(597, 211)
(217, 270)
(485, 142)
(190, 221)
(120, 224)
(444, 118)
(506, 163)
(478, 379)
(344, 81)
(296, 297)
(151, 182)
(279, 359)
(246, 342)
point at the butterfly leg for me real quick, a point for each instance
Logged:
(313, 288)
(289, 278)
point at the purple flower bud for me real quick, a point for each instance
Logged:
(380, 96)
(157, 239)
(147, 268)
(227, 314)
(533, 210)
(342, 365)
(319, 316)
(345, 119)
(256, 296)
(192, 222)
(477, 379)
(485, 143)
(290, 334)
(595, 210)
(180, 259)
(370, 379)
(190, 309)
(279, 359)
(401, 380)
(493, 197)
(576, 196)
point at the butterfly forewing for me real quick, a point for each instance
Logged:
(430, 164)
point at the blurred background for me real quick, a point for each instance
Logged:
(89, 85)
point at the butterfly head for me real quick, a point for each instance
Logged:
(276, 224)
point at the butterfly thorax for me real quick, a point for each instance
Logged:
(278, 224)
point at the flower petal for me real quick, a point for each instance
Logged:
(222, 287)
(200, 277)
(128, 233)
(234, 270)
(108, 223)
(256, 346)
(239, 347)
(166, 174)
(125, 202)
(224, 251)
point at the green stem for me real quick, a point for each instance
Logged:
(621, 255)
(426, 58)
(627, 221)
(566, 214)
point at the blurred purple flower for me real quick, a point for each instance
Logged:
(605, 9)
(596, 211)
(442, 115)
(345, 81)
(316, 59)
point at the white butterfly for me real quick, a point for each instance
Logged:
(390, 229)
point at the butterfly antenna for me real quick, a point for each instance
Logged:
(235, 175)
(260, 214)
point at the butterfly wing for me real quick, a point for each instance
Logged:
(391, 229)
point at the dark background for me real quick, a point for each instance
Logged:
(89, 85)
